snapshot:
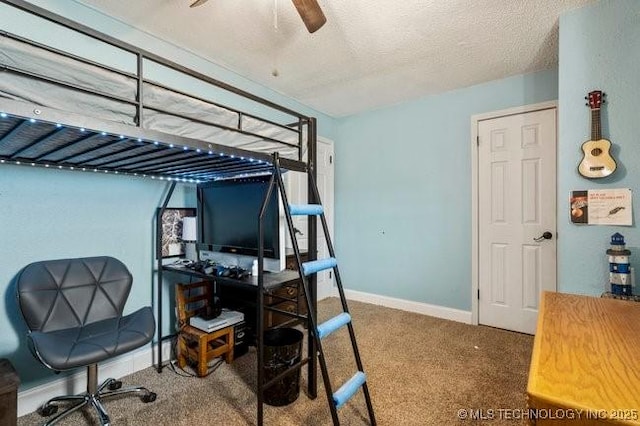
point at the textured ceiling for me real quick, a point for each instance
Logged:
(371, 53)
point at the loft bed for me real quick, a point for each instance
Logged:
(62, 110)
(58, 109)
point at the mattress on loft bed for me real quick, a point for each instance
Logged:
(22, 56)
(194, 108)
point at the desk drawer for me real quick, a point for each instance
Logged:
(291, 263)
(285, 299)
(274, 318)
(289, 292)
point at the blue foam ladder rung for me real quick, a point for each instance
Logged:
(329, 326)
(347, 390)
(314, 266)
(306, 209)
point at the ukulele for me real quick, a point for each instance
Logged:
(597, 162)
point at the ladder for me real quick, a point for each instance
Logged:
(340, 397)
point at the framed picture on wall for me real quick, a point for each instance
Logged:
(172, 219)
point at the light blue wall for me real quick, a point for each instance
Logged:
(55, 214)
(49, 214)
(599, 49)
(403, 191)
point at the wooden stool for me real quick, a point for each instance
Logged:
(195, 344)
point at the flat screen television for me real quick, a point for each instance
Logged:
(228, 213)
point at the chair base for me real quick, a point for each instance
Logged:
(93, 397)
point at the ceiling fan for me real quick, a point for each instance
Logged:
(309, 11)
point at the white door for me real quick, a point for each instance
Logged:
(296, 184)
(516, 206)
(324, 181)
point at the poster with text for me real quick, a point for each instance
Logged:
(602, 207)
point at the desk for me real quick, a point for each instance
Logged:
(272, 280)
(248, 288)
(586, 356)
(281, 291)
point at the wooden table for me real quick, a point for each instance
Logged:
(586, 361)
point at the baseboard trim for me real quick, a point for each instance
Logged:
(409, 306)
(326, 292)
(31, 399)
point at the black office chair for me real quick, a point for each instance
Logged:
(73, 309)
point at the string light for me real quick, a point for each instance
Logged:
(123, 137)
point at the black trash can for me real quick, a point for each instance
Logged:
(282, 348)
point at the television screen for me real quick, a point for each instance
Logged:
(228, 213)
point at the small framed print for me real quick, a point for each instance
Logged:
(171, 225)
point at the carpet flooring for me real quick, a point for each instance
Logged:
(421, 371)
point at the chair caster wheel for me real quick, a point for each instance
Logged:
(150, 397)
(115, 385)
(48, 410)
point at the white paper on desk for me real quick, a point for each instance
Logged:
(610, 206)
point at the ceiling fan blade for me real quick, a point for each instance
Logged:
(198, 3)
(311, 14)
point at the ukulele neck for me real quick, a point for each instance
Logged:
(596, 129)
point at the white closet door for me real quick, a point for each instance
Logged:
(296, 184)
(517, 205)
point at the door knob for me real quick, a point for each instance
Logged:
(545, 236)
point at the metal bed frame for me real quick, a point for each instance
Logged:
(34, 135)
